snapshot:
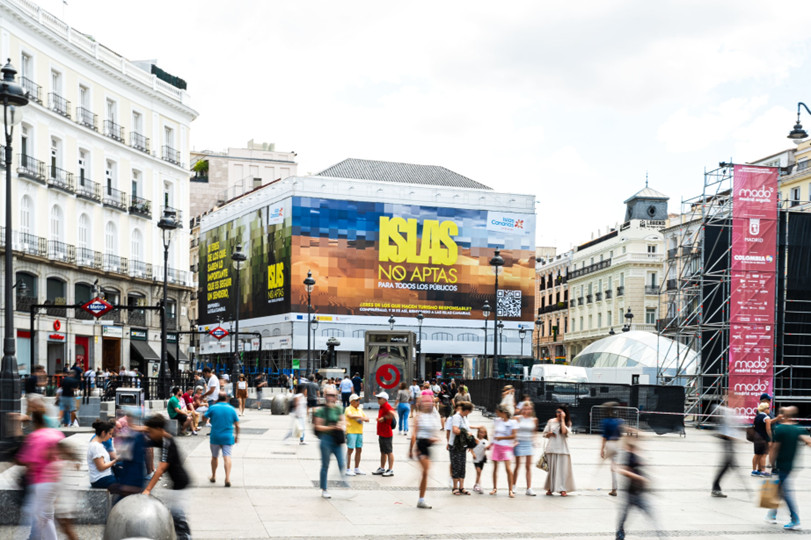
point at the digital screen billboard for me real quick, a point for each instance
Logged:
(373, 258)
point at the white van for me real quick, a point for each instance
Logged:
(558, 373)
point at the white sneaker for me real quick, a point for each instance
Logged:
(325, 495)
(359, 472)
(478, 489)
(75, 423)
(380, 470)
(770, 519)
(423, 504)
(388, 472)
(350, 472)
(530, 492)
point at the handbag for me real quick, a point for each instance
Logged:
(543, 463)
(751, 434)
(770, 493)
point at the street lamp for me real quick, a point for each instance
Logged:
(496, 262)
(420, 317)
(313, 328)
(629, 318)
(167, 224)
(798, 134)
(486, 314)
(309, 283)
(238, 257)
(14, 97)
(521, 334)
(538, 323)
(391, 322)
(611, 332)
(500, 327)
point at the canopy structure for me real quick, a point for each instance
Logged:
(643, 349)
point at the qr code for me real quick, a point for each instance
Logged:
(509, 303)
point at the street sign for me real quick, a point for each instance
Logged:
(97, 307)
(388, 376)
(218, 333)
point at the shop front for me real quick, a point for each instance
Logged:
(111, 336)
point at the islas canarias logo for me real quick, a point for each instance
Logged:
(417, 252)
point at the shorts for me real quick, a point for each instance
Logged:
(354, 440)
(181, 418)
(242, 394)
(480, 464)
(68, 404)
(502, 453)
(424, 448)
(226, 450)
(761, 448)
(524, 448)
(385, 444)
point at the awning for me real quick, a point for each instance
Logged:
(171, 350)
(143, 350)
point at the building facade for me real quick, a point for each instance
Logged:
(617, 272)
(552, 276)
(97, 158)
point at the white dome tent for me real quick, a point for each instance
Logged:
(643, 352)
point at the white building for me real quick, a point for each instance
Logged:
(99, 154)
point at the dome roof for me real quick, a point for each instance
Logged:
(636, 348)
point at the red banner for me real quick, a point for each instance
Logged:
(752, 287)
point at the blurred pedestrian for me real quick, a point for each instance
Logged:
(480, 457)
(329, 425)
(760, 440)
(242, 393)
(460, 441)
(261, 382)
(298, 415)
(224, 435)
(525, 447)
(508, 399)
(357, 383)
(611, 428)
(786, 438)
(427, 424)
(385, 435)
(355, 417)
(462, 395)
(403, 408)
(504, 433)
(727, 435)
(445, 402)
(67, 401)
(559, 478)
(414, 390)
(637, 487)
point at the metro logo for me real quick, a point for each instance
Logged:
(400, 241)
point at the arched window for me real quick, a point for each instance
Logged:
(468, 336)
(26, 215)
(57, 224)
(137, 247)
(442, 336)
(332, 332)
(83, 238)
(110, 238)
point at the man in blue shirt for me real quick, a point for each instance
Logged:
(612, 431)
(346, 390)
(224, 435)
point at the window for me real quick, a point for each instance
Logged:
(650, 315)
(610, 282)
(169, 136)
(55, 291)
(84, 166)
(599, 285)
(57, 223)
(591, 261)
(581, 324)
(137, 248)
(26, 214)
(467, 336)
(651, 249)
(110, 239)
(611, 254)
(257, 183)
(622, 279)
(83, 238)
(589, 290)
(110, 174)
(82, 293)
(25, 145)
(136, 182)
(590, 326)
(111, 111)
(114, 297)
(574, 325)
(652, 280)
(56, 82)
(623, 250)
(601, 257)
(566, 324)
(137, 122)
(442, 336)
(26, 66)
(608, 318)
(541, 329)
(56, 155)
(795, 196)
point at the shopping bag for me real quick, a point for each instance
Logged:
(770, 493)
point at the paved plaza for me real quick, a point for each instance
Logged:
(275, 494)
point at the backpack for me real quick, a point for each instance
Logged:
(393, 422)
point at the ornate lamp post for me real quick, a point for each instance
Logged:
(313, 328)
(309, 283)
(167, 224)
(798, 134)
(486, 314)
(538, 323)
(521, 334)
(629, 318)
(496, 262)
(420, 317)
(14, 97)
(500, 327)
(238, 257)
(391, 322)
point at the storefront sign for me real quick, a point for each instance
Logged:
(56, 337)
(112, 331)
(171, 337)
(138, 334)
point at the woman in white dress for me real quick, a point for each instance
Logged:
(560, 478)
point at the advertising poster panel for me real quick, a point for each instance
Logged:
(752, 286)
(380, 258)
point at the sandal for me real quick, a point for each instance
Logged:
(456, 492)
(212, 479)
(562, 493)
(464, 492)
(549, 494)
(494, 491)
(512, 494)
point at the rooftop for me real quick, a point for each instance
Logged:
(647, 193)
(400, 173)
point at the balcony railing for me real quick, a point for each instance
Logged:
(137, 317)
(170, 154)
(86, 118)
(61, 252)
(60, 179)
(113, 130)
(87, 189)
(580, 301)
(589, 298)
(672, 253)
(54, 311)
(34, 90)
(139, 142)
(171, 322)
(88, 258)
(580, 272)
(82, 314)
(114, 263)
(140, 207)
(140, 269)
(31, 168)
(114, 198)
(28, 243)
(24, 302)
(58, 104)
(114, 315)
(621, 290)
(670, 284)
(608, 294)
(572, 303)
(598, 296)
(652, 289)
(557, 306)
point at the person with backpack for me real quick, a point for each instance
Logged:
(329, 424)
(386, 423)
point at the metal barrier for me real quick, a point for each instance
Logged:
(629, 415)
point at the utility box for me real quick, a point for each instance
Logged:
(128, 397)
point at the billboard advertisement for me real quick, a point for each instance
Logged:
(369, 258)
(752, 287)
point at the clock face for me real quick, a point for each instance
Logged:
(651, 211)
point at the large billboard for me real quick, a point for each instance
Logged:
(752, 286)
(374, 258)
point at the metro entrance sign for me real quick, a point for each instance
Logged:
(218, 333)
(97, 307)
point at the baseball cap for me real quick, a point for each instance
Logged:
(354, 397)
(765, 396)
(382, 395)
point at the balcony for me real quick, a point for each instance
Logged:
(87, 189)
(139, 142)
(114, 263)
(140, 269)
(24, 302)
(30, 244)
(61, 252)
(580, 301)
(652, 290)
(178, 214)
(86, 118)
(137, 317)
(114, 198)
(58, 104)
(171, 321)
(170, 154)
(670, 284)
(88, 258)
(82, 315)
(589, 298)
(114, 131)
(31, 168)
(34, 90)
(672, 253)
(112, 315)
(140, 207)
(56, 311)
(60, 179)
(621, 290)
(580, 272)
(598, 296)
(557, 306)
(572, 303)
(609, 294)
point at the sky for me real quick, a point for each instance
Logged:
(574, 102)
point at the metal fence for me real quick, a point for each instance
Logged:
(629, 415)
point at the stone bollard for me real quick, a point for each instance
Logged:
(280, 404)
(139, 516)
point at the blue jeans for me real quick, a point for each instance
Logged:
(788, 496)
(328, 447)
(68, 405)
(402, 411)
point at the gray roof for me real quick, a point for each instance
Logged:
(647, 193)
(401, 173)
